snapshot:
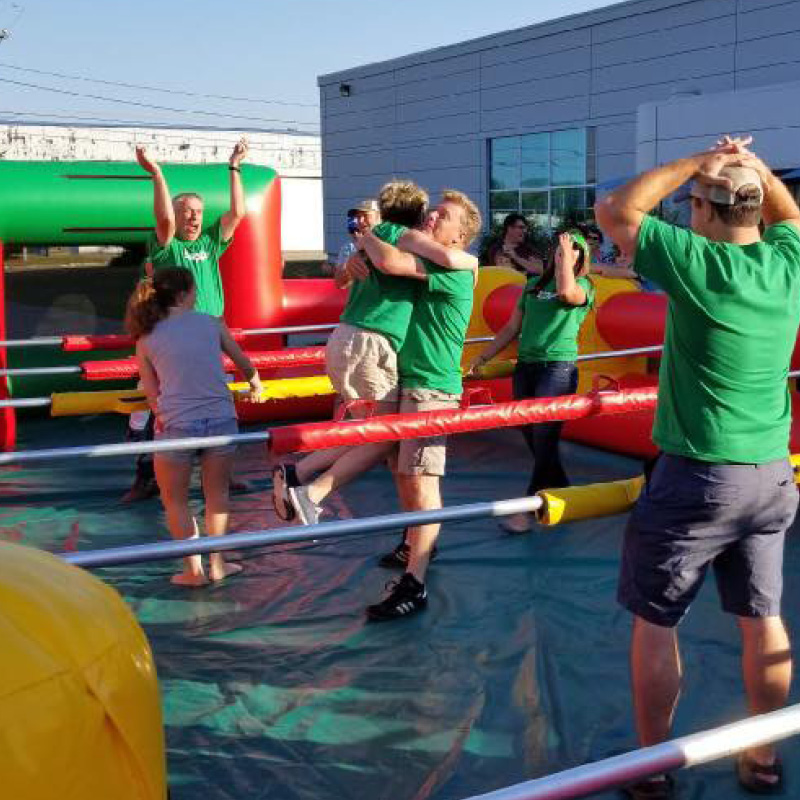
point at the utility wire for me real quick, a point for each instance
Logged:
(136, 103)
(163, 90)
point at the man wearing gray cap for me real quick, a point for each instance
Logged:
(360, 219)
(722, 492)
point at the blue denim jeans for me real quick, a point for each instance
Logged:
(544, 379)
(225, 426)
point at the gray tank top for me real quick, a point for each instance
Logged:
(184, 350)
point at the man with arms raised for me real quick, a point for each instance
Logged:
(722, 492)
(429, 366)
(180, 240)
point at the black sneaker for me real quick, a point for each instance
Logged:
(407, 596)
(398, 558)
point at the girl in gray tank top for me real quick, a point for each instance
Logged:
(179, 353)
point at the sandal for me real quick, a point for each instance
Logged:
(755, 777)
(657, 788)
(284, 476)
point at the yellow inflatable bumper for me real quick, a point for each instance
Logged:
(600, 499)
(80, 712)
(587, 502)
(125, 401)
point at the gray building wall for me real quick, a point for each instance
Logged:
(428, 116)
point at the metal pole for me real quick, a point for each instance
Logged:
(29, 372)
(43, 341)
(687, 751)
(290, 329)
(159, 551)
(57, 341)
(26, 402)
(133, 448)
(633, 351)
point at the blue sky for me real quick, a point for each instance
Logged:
(266, 50)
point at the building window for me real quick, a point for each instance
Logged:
(544, 176)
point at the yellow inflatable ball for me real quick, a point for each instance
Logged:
(80, 715)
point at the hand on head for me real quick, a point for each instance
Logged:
(711, 165)
(733, 144)
(566, 254)
(730, 151)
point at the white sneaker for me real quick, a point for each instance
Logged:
(307, 510)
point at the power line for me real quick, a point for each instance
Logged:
(157, 88)
(72, 93)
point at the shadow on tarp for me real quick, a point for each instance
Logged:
(274, 687)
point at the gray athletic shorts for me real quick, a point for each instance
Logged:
(694, 514)
(426, 456)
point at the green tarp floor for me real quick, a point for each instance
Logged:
(274, 687)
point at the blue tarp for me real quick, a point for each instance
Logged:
(274, 686)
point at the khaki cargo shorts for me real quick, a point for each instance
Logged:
(361, 365)
(426, 456)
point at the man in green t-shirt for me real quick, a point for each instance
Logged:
(722, 492)
(180, 240)
(429, 366)
(361, 354)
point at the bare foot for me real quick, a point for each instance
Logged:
(188, 579)
(224, 571)
(517, 523)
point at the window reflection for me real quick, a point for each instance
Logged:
(543, 175)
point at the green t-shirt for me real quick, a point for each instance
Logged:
(731, 327)
(380, 302)
(201, 258)
(431, 355)
(550, 327)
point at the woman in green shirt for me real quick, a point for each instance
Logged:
(547, 320)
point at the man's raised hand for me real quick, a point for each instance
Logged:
(709, 166)
(239, 153)
(733, 144)
(145, 162)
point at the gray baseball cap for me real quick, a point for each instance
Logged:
(364, 207)
(739, 178)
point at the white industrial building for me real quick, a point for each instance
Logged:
(543, 118)
(295, 156)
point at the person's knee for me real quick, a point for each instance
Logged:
(653, 636)
(216, 494)
(422, 491)
(758, 629)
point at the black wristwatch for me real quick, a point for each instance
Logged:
(233, 169)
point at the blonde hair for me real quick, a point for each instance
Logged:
(153, 298)
(471, 216)
(403, 203)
